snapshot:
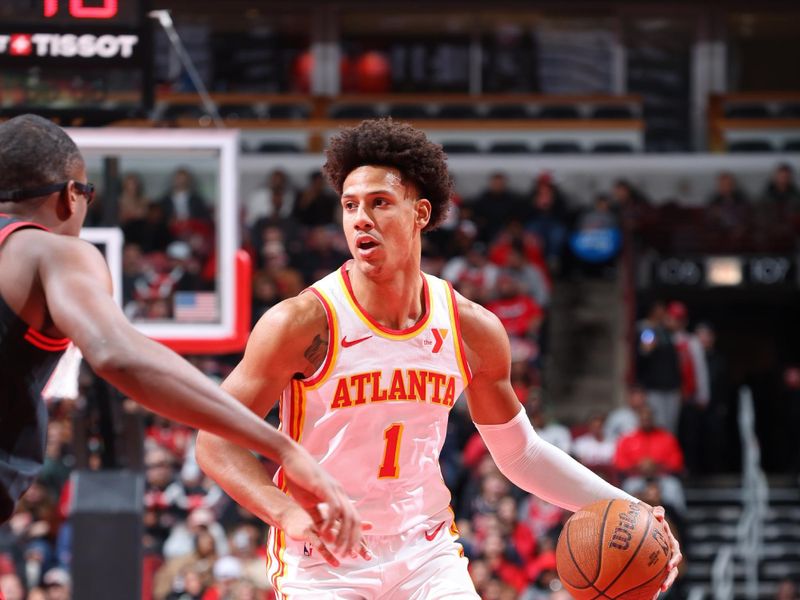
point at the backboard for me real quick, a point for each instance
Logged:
(172, 246)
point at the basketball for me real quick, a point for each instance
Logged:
(613, 549)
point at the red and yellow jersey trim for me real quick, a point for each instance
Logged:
(275, 556)
(297, 399)
(276, 561)
(44, 342)
(292, 413)
(455, 532)
(373, 325)
(455, 322)
(333, 342)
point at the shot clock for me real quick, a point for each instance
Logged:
(76, 59)
(84, 13)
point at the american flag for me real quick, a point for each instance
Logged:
(196, 306)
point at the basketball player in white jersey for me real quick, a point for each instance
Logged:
(368, 363)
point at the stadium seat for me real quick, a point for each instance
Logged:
(457, 111)
(238, 111)
(409, 111)
(183, 111)
(612, 111)
(277, 147)
(663, 138)
(612, 148)
(559, 111)
(790, 111)
(460, 147)
(288, 111)
(561, 147)
(750, 146)
(747, 111)
(792, 145)
(511, 147)
(354, 111)
(507, 111)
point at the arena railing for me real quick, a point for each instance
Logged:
(755, 500)
(770, 118)
(755, 495)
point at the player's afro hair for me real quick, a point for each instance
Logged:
(387, 143)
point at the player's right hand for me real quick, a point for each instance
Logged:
(298, 524)
(677, 556)
(311, 486)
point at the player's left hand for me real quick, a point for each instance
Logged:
(677, 557)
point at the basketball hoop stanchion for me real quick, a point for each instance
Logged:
(237, 340)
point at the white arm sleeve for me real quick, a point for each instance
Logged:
(542, 469)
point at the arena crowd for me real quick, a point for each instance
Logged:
(503, 248)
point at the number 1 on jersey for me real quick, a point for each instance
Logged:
(390, 467)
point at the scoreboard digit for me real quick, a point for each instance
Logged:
(79, 9)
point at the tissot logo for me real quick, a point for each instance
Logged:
(68, 45)
(20, 45)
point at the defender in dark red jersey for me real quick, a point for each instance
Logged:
(55, 287)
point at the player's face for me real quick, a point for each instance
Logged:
(382, 218)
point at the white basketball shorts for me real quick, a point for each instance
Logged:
(424, 563)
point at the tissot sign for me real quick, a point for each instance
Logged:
(53, 45)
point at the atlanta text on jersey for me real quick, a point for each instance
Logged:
(404, 384)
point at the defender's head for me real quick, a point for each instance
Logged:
(42, 174)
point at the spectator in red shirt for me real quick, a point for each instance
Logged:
(648, 443)
(518, 313)
(695, 386)
(542, 570)
(517, 533)
(514, 238)
(496, 555)
(651, 453)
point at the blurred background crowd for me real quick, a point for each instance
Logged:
(503, 248)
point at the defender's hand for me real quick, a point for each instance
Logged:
(311, 486)
(299, 525)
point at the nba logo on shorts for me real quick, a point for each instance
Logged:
(308, 549)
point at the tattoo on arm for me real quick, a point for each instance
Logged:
(315, 353)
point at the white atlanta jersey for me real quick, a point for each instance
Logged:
(374, 415)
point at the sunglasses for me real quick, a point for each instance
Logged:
(87, 189)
